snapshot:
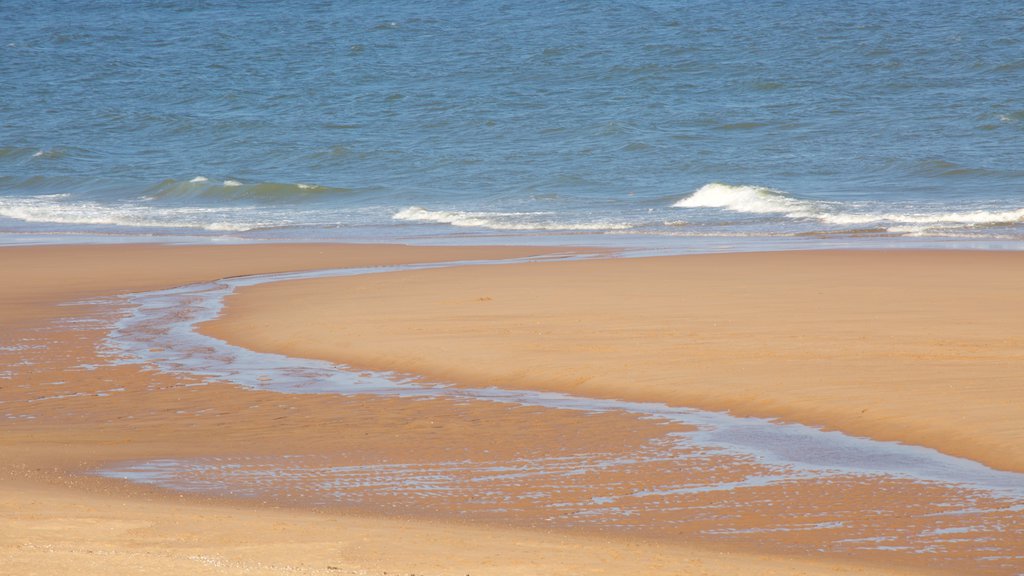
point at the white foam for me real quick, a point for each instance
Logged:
(229, 227)
(749, 199)
(503, 220)
(417, 214)
(973, 217)
(46, 210)
(51, 153)
(914, 219)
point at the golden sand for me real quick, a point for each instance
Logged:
(922, 347)
(66, 413)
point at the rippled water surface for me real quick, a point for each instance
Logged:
(410, 119)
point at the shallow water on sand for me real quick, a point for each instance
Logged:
(710, 476)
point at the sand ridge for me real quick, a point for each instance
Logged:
(916, 346)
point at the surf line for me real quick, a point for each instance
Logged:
(160, 330)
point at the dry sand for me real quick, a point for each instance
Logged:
(65, 412)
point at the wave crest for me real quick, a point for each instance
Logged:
(53, 209)
(898, 219)
(749, 199)
(503, 220)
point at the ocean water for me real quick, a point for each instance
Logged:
(668, 123)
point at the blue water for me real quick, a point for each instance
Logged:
(805, 120)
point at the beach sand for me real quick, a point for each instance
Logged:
(66, 412)
(923, 347)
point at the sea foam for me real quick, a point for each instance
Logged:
(50, 210)
(504, 220)
(901, 218)
(749, 199)
(972, 217)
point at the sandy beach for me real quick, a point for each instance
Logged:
(920, 347)
(472, 288)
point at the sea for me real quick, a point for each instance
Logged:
(682, 125)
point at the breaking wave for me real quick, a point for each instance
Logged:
(749, 199)
(900, 219)
(504, 220)
(52, 209)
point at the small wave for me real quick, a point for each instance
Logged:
(15, 152)
(748, 199)
(1012, 116)
(50, 209)
(202, 187)
(760, 200)
(61, 152)
(972, 217)
(1010, 66)
(39, 185)
(938, 168)
(502, 220)
(743, 126)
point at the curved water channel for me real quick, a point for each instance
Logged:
(973, 507)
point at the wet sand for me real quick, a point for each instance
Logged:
(67, 412)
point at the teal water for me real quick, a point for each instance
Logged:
(810, 121)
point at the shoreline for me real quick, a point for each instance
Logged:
(160, 415)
